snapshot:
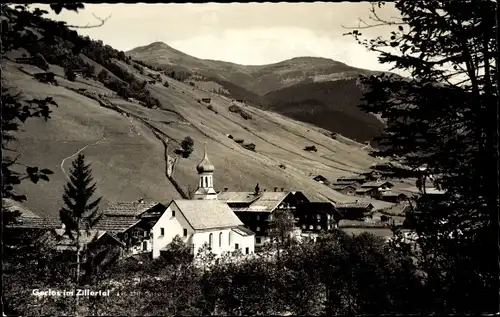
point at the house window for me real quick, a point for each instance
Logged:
(258, 217)
(145, 246)
(185, 232)
(211, 240)
(303, 226)
(145, 234)
(257, 229)
(236, 246)
(206, 181)
(318, 217)
(162, 231)
(173, 213)
(247, 250)
(257, 240)
(220, 239)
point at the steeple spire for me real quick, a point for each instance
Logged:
(205, 166)
(206, 184)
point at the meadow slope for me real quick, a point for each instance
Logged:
(128, 159)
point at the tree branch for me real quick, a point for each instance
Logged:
(88, 26)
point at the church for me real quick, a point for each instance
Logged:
(203, 219)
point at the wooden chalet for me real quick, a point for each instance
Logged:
(206, 100)
(380, 185)
(353, 210)
(393, 196)
(368, 192)
(353, 178)
(131, 223)
(316, 217)
(255, 209)
(344, 188)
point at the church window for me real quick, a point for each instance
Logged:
(206, 181)
(247, 250)
(230, 236)
(211, 240)
(173, 213)
(185, 232)
(220, 239)
(162, 231)
(145, 246)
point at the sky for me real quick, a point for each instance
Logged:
(243, 33)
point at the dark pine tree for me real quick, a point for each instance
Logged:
(441, 122)
(79, 213)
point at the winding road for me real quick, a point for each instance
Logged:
(76, 153)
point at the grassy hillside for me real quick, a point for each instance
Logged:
(122, 137)
(316, 90)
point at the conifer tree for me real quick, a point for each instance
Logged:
(79, 212)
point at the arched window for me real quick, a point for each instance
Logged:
(220, 239)
(206, 181)
(211, 240)
(230, 236)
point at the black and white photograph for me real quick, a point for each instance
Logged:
(242, 159)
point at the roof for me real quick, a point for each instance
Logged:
(264, 202)
(130, 209)
(36, 223)
(12, 206)
(64, 242)
(207, 214)
(365, 189)
(115, 224)
(241, 230)
(376, 184)
(353, 205)
(341, 186)
(381, 232)
(392, 194)
(352, 177)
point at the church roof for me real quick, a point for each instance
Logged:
(205, 166)
(207, 214)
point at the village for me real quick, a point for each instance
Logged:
(226, 222)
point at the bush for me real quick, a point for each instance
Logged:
(249, 146)
(166, 84)
(245, 115)
(311, 148)
(210, 107)
(103, 76)
(187, 146)
(234, 108)
(239, 141)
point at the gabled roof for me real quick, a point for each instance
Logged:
(341, 186)
(132, 209)
(64, 242)
(36, 223)
(207, 214)
(264, 202)
(363, 205)
(376, 184)
(391, 193)
(365, 189)
(12, 206)
(115, 224)
(352, 177)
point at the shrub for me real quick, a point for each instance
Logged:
(311, 148)
(234, 108)
(245, 115)
(102, 76)
(239, 140)
(191, 83)
(166, 84)
(210, 107)
(249, 146)
(187, 146)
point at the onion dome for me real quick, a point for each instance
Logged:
(205, 166)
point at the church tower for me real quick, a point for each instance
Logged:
(206, 179)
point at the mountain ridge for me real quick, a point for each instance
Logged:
(261, 84)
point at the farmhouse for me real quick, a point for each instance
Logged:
(393, 197)
(206, 100)
(316, 217)
(255, 209)
(353, 210)
(346, 189)
(320, 179)
(353, 178)
(368, 192)
(380, 185)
